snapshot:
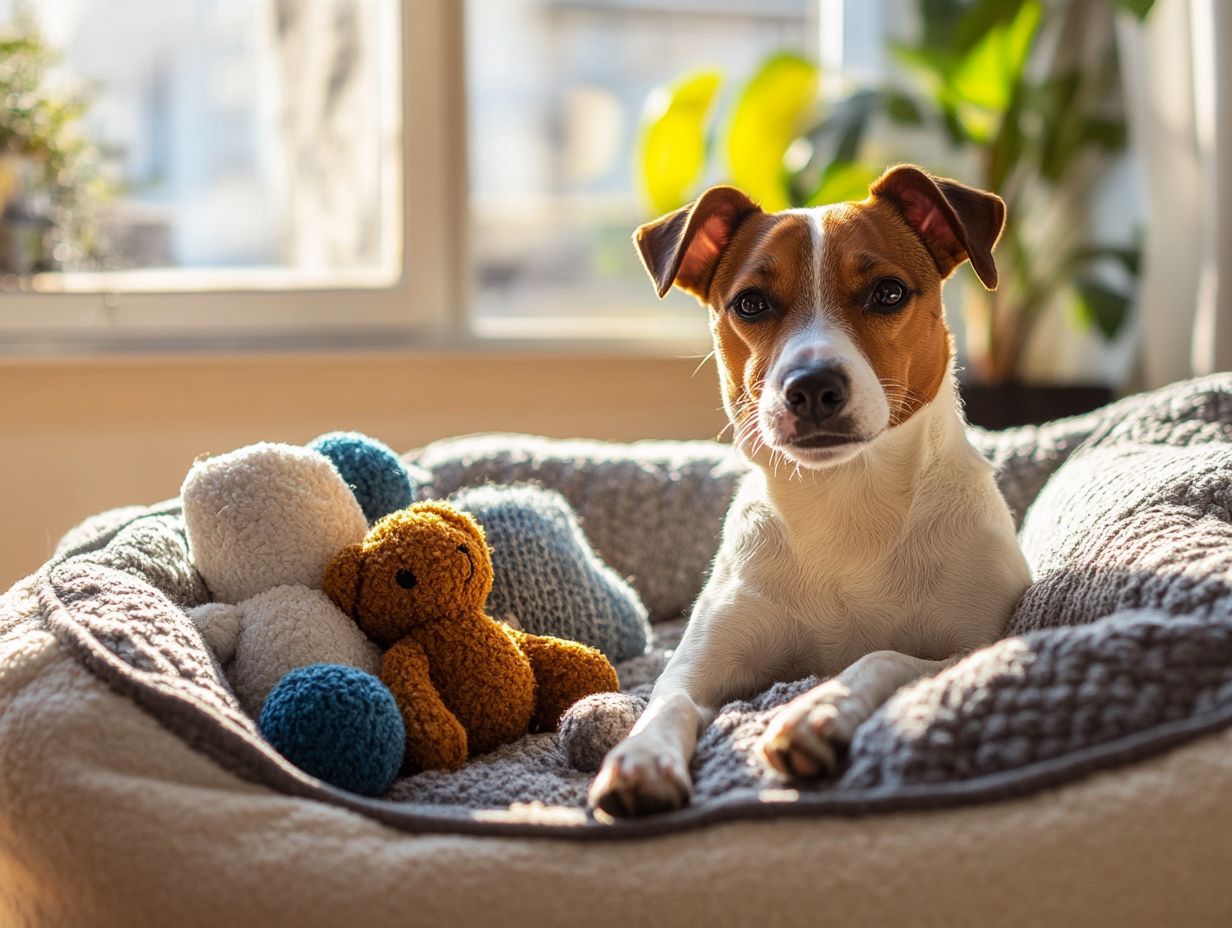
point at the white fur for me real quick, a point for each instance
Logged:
(872, 571)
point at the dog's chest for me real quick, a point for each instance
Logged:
(840, 595)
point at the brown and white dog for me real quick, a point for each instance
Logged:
(869, 545)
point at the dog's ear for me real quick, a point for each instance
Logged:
(683, 247)
(955, 222)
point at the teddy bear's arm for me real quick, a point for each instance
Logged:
(435, 739)
(565, 671)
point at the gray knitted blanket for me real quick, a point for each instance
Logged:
(1121, 648)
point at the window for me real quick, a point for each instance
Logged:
(247, 137)
(335, 168)
(555, 93)
(252, 148)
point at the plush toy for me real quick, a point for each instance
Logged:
(337, 723)
(547, 574)
(372, 470)
(464, 683)
(262, 523)
(594, 725)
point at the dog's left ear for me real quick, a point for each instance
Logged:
(683, 247)
(955, 222)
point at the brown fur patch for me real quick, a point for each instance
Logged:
(772, 252)
(909, 350)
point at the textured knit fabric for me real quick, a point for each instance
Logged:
(652, 510)
(125, 754)
(1120, 650)
(338, 724)
(464, 683)
(547, 575)
(1190, 412)
(371, 469)
(151, 546)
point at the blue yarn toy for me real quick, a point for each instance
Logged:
(374, 472)
(338, 724)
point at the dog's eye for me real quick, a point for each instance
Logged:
(750, 304)
(405, 579)
(888, 293)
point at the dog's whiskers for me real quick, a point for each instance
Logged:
(702, 363)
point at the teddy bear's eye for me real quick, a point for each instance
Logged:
(405, 579)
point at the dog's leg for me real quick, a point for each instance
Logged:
(649, 771)
(808, 735)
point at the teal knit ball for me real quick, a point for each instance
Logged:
(338, 724)
(375, 474)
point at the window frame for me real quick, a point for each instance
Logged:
(422, 302)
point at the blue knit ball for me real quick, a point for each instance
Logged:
(338, 724)
(377, 477)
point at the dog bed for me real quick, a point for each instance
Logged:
(1078, 770)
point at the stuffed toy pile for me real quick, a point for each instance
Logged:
(262, 523)
(464, 683)
(366, 651)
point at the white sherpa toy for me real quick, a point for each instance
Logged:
(262, 523)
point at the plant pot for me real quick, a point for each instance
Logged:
(1005, 405)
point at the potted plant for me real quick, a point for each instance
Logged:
(50, 181)
(1025, 96)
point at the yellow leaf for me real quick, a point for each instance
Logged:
(672, 142)
(772, 111)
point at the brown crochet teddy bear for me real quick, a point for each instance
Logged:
(464, 683)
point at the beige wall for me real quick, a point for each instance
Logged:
(79, 436)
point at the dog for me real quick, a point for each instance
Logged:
(869, 544)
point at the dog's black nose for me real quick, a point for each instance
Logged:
(816, 393)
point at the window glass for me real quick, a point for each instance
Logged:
(212, 134)
(555, 91)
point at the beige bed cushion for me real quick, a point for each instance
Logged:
(151, 794)
(132, 826)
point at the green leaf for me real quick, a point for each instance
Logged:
(770, 113)
(902, 108)
(1101, 306)
(1128, 256)
(939, 21)
(1111, 135)
(672, 143)
(986, 76)
(930, 64)
(842, 181)
(1139, 8)
(979, 18)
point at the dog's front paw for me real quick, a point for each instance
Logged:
(808, 737)
(640, 779)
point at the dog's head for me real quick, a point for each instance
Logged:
(827, 322)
